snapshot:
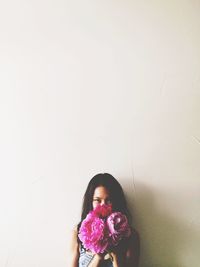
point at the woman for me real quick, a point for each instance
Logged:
(103, 188)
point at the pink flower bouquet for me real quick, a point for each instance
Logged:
(103, 229)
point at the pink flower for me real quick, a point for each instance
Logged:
(117, 224)
(102, 211)
(92, 234)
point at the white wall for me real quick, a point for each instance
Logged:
(99, 86)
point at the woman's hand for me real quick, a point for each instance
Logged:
(100, 256)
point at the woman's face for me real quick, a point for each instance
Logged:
(100, 197)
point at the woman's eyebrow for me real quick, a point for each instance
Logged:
(100, 197)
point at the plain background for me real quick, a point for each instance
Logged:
(99, 86)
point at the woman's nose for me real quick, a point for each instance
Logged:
(103, 202)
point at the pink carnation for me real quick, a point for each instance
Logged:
(92, 234)
(102, 211)
(117, 224)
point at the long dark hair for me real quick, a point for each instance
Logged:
(116, 195)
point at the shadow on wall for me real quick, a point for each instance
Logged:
(163, 238)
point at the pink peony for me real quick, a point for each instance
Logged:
(117, 224)
(92, 234)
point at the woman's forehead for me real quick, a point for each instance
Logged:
(101, 191)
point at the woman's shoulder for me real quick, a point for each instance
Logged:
(74, 247)
(74, 237)
(75, 229)
(134, 238)
(133, 250)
